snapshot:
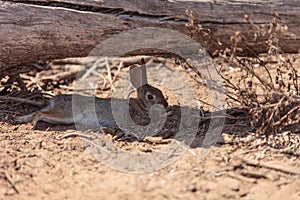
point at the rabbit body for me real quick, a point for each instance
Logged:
(93, 111)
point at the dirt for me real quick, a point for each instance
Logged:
(37, 164)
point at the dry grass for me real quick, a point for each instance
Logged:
(272, 97)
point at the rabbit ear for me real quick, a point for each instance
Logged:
(138, 75)
(144, 72)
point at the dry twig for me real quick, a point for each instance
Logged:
(274, 166)
(21, 100)
(10, 181)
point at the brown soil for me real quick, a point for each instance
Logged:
(36, 164)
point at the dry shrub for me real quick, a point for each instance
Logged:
(266, 85)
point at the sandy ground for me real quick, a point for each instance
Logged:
(36, 164)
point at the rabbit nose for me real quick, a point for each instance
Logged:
(165, 104)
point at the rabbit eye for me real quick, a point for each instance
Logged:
(150, 97)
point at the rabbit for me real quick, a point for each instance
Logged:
(60, 109)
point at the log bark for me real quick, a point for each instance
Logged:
(33, 30)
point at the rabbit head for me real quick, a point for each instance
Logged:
(147, 95)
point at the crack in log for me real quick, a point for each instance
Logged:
(119, 12)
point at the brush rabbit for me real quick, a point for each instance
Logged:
(93, 111)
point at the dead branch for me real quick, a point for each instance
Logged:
(21, 100)
(274, 166)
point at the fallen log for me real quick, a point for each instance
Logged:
(33, 30)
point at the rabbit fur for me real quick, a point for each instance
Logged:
(93, 111)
